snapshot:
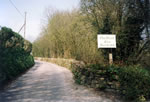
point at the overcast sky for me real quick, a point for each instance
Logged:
(35, 9)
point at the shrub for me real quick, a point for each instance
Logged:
(15, 55)
(135, 82)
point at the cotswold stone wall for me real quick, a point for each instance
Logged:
(15, 55)
(132, 82)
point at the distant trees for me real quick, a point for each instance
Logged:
(73, 34)
(68, 35)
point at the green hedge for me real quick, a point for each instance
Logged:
(15, 55)
(133, 82)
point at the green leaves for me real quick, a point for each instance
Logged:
(15, 55)
(135, 81)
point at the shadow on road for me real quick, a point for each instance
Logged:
(6, 84)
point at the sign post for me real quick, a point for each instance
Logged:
(110, 58)
(107, 41)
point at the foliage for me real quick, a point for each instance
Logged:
(135, 82)
(15, 55)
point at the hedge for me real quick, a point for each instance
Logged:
(15, 55)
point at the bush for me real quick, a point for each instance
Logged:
(15, 55)
(133, 82)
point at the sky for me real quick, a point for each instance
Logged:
(36, 14)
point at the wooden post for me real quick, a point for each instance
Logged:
(110, 58)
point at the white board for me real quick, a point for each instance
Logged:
(106, 41)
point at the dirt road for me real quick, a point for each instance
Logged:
(47, 82)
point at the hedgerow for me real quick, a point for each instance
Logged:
(15, 55)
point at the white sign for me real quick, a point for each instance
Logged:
(106, 41)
